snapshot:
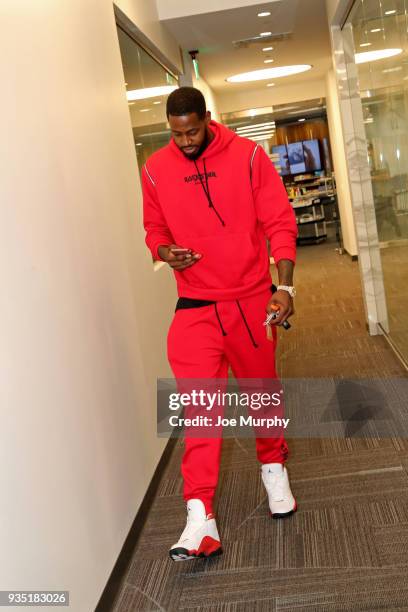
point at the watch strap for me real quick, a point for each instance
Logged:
(290, 289)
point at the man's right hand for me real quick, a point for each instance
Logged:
(178, 262)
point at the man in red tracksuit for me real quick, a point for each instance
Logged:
(211, 200)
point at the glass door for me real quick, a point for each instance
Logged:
(380, 36)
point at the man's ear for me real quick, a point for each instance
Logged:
(208, 117)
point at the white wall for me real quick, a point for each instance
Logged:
(83, 318)
(144, 14)
(170, 9)
(331, 8)
(270, 96)
(340, 164)
(189, 79)
(210, 97)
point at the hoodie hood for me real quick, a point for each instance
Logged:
(223, 137)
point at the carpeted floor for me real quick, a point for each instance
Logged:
(346, 547)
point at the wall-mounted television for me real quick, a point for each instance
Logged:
(312, 155)
(299, 157)
(283, 159)
(296, 158)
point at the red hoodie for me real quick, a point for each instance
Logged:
(225, 213)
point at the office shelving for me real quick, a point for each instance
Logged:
(309, 194)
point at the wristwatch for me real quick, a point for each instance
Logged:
(290, 290)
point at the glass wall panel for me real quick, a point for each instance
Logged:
(380, 32)
(147, 84)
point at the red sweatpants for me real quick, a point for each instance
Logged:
(202, 343)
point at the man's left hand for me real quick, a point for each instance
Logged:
(283, 300)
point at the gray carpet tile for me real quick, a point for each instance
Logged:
(133, 598)
(392, 544)
(266, 605)
(346, 547)
(261, 583)
(369, 599)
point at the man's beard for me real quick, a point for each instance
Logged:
(201, 149)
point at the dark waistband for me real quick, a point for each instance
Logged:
(184, 303)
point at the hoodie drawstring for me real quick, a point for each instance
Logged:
(206, 190)
(224, 333)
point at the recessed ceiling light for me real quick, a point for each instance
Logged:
(267, 49)
(157, 102)
(271, 130)
(145, 110)
(126, 83)
(375, 30)
(268, 73)
(268, 61)
(261, 127)
(264, 137)
(256, 126)
(265, 14)
(150, 92)
(265, 34)
(130, 103)
(367, 44)
(390, 12)
(252, 126)
(257, 131)
(270, 85)
(258, 135)
(301, 120)
(373, 56)
(139, 144)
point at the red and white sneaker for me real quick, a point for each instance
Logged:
(200, 537)
(276, 481)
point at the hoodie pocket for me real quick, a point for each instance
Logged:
(227, 261)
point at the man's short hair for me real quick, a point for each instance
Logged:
(184, 101)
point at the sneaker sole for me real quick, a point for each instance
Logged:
(281, 515)
(182, 554)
